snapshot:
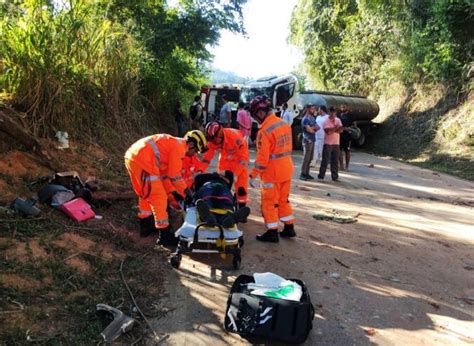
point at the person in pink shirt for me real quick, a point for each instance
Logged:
(244, 121)
(332, 128)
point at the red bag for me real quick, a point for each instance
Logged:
(78, 210)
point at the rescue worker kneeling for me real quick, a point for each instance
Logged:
(274, 165)
(154, 164)
(214, 201)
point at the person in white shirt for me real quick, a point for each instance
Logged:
(320, 134)
(286, 115)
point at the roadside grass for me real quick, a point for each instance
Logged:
(54, 272)
(428, 127)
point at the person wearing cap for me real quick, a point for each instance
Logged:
(274, 165)
(225, 115)
(154, 164)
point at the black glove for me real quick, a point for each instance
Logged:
(188, 199)
(177, 197)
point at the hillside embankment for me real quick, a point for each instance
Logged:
(431, 127)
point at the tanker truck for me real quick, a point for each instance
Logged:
(285, 89)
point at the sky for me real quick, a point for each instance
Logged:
(265, 52)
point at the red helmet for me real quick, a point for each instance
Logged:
(258, 103)
(212, 130)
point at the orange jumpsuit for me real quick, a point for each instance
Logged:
(191, 167)
(234, 157)
(154, 164)
(274, 165)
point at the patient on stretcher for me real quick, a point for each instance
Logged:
(214, 200)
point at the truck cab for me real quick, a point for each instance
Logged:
(285, 89)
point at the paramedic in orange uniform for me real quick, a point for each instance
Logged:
(234, 156)
(274, 165)
(154, 164)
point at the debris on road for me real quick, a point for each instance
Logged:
(336, 216)
(335, 275)
(370, 331)
(120, 324)
(341, 263)
(371, 165)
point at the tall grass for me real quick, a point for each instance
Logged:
(73, 69)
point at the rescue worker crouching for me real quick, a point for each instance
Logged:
(234, 156)
(154, 164)
(274, 165)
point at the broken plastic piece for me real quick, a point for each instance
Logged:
(121, 323)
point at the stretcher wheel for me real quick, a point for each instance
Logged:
(236, 261)
(175, 261)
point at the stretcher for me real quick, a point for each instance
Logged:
(197, 237)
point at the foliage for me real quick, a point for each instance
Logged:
(98, 65)
(362, 46)
(227, 77)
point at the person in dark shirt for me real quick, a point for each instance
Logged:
(213, 191)
(345, 145)
(180, 119)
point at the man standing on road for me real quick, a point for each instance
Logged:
(286, 115)
(320, 134)
(345, 146)
(274, 165)
(309, 128)
(332, 128)
(225, 115)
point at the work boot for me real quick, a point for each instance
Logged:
(270, 236)
(147, 227)
(205, 213)
(238, 216)
(166, 237)
(288, 231)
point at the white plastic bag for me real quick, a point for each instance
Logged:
(274, 286)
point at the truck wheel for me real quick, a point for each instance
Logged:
(297, 137)
(361, 140)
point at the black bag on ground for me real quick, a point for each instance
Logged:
(259, 318)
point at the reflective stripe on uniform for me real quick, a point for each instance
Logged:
(280, 155)
(152, 143)
(275, 126)
(272, 225)
(177, 178)
(242, 162)
(287, 218)
(267, 185)
(257, 166)
(145, 212)
(162, 222)
(154, 178)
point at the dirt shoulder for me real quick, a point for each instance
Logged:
(410, 257)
